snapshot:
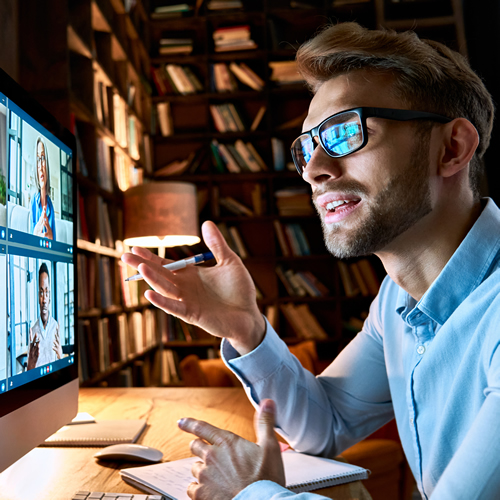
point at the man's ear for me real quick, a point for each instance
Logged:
(460, 140)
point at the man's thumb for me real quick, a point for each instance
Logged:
(215, 241)
(264, 425)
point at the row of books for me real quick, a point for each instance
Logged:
(95, 289)
(188, 165)
(236, 157)
(231, 38)
(292, 240)
(233, 206)
(301, 283)
(175, 79)
(226, 118)
(304, 323)
(107, 341)
(359, 278)
(225, 77)
(234, 239)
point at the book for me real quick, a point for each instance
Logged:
(165, 118)
(302, 472)
(99, 433)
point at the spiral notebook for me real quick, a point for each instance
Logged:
(99, 433)
(302, 472)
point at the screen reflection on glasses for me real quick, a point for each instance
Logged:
(344, 133)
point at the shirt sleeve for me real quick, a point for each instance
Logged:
(267, 490)
(321, 415)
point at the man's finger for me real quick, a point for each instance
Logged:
(199, 448)
(216, 242)
(264, 424)
(191, 491)
(196, 469)
(202, 430)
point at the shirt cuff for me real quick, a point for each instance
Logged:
(260, 363)
(263, 490)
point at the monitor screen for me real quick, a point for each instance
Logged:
(37, 254)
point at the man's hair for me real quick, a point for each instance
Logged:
(428, 76)
(43, 269)
(47, 180)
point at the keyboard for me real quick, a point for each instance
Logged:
(99, 495)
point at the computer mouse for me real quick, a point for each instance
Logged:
(129, 452)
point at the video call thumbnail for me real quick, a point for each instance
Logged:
(36, 250)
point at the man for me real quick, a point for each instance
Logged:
(45, 345)
(392, 148)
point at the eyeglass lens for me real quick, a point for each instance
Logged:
(339, 135)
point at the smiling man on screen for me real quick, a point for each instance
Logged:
(392, 149)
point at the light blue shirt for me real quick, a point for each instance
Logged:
(434, 365)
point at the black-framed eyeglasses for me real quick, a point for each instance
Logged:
(344, 133)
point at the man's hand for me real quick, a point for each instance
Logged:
(34, 350)
(47, 230)
(220, 299)
(56, 346)
(231, 463)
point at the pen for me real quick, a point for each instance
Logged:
(179, 264)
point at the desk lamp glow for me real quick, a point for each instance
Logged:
(160, 215)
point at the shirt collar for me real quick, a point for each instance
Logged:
(463, 273)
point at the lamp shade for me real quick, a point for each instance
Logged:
(161, 214)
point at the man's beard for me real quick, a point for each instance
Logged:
(400, 205)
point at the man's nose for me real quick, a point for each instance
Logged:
(321, 168)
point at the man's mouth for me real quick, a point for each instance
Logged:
(341, 205)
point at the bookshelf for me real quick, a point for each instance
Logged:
(204, 130)
(155, 95)
(89, 65)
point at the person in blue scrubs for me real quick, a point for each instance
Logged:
(391, 147)
(43, 221)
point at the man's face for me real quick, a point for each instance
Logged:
(384, 186)
(44, 297)
(41, 166)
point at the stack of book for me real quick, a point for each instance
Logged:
(169, 11)
(169, 46)
(294, 201)
(237, 157)
(233, 38)
(224, 4)
(284, 72)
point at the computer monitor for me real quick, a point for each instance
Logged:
(38, 339)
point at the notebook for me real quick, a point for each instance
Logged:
(99, 433)
(302, 472)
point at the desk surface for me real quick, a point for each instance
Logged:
(57, 473)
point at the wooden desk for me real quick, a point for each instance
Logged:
(57, 473)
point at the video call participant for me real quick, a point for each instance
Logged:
(43, 221)
(44, 342)
(429, 351)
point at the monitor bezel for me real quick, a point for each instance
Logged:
(20, 396)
